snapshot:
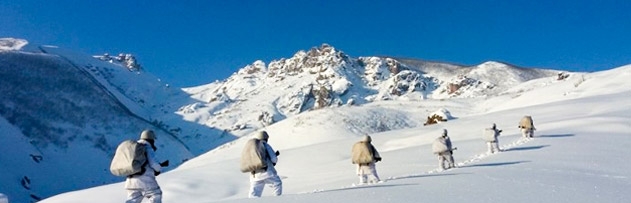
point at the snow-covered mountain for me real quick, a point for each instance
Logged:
(579, 152)
(259, 95)
(62, 114)
(65, 112)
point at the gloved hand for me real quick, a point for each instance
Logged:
(277, 153)
(273, 164)
(499, 131)
(165, 163)
(156, 173)
(378, 159)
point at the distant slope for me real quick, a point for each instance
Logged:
(66, 108)
(66, 118)
(145, 97)
(261, 94)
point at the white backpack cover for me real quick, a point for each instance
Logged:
(254, 156)
(526, 122)
(439, 146)
(362, 153)
(489, 135)
(130, 158)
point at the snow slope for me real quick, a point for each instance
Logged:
(60, 128)
(62, 114)
(578, 154)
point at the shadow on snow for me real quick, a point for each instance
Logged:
(425, 175)
(527, 148)
(495, 164)
(555, 136)
(369, 186)
(383, 185)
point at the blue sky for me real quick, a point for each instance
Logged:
(188, 43)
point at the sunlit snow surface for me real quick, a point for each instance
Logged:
(579, 152)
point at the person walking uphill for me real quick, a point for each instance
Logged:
(365, 156)
(442, 147)
(144, 185)
(527, 127)
(259, 159)
(490, 136)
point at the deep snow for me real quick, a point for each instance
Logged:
(579, 152)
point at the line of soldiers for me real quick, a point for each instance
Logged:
(364, 154)
(441, 146)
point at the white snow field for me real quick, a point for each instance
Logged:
(580, 152)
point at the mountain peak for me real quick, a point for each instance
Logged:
(123, 59)
(493, 64)
(12, 44)
(322, 50)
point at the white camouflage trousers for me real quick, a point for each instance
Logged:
(493, 147)
(364, 170)
(445, 157)
(136, 195)
(527, 132)
(256, 187)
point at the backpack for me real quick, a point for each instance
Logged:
(362, 153)
(254, 156)
(440, 145)
(130, 159)
(489, 135)
(526, 122)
